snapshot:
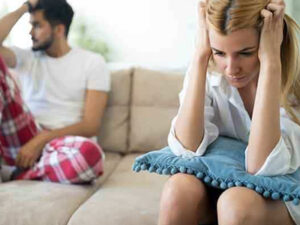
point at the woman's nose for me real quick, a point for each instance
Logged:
(232, 67)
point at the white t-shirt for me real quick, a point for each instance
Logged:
(225, 114)
(54, 88)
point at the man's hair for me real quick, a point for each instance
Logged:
(56, 12)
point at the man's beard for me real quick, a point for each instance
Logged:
(45, 45)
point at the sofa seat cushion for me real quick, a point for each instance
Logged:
(34, 202)
(126, 198)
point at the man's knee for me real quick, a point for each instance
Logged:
(93, 155)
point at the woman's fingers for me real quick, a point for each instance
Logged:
(202, 38)
(202, 14)
(267, 15)
(276, 9)
(201, 9)
(280, 2)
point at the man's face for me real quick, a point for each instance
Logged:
(42, 34)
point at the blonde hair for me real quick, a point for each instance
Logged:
(227, 16)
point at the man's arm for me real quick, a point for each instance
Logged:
(6, 25)
(89, 126)
(94, 108)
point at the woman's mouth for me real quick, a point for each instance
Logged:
(236, 78)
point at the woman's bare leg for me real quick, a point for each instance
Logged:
(185, 201)
(242, 206)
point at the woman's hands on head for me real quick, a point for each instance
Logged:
(202, 42)
(272, 31)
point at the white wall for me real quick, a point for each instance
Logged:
(153, 33)
(156, 33)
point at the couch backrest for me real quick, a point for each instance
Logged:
(113, 135)
(141, 106)
(154, 104)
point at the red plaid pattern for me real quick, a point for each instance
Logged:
(69, 159)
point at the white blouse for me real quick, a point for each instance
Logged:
(225, 114)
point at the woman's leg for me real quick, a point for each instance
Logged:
(185, 201)
(69, 160)
(242, 206)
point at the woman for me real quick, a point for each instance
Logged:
(252, 93)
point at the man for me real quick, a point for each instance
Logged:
(65, 90)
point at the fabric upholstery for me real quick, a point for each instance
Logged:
(125, 198)
(154, 104)
(45, 203)
(113, 135)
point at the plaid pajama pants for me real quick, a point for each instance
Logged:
(69, 159)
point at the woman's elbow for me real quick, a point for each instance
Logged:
(252, 171)
(254, 168)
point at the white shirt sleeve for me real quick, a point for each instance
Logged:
(24, 58)
(211, 131)
(285, 157)
(98, 75)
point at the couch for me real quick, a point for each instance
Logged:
(141, 104)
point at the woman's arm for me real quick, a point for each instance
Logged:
(265, 128)
(189, 126)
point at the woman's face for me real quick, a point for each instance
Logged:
(236, 55)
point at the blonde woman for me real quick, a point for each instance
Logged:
(243, 82)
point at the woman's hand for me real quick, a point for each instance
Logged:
(202, 42)
(272, 32)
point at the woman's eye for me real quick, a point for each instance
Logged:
(246, 53)
(219, 53)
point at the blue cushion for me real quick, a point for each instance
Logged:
(222, 166)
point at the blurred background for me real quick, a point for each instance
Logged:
(156, 34)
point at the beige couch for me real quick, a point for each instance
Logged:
(141, 105)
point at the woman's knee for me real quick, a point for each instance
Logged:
(239, 205)
(183, 191)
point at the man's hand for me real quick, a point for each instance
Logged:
(31, 151)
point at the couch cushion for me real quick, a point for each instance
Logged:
(125, 198)
(114, 130)
(43, 203)
(154, 104)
